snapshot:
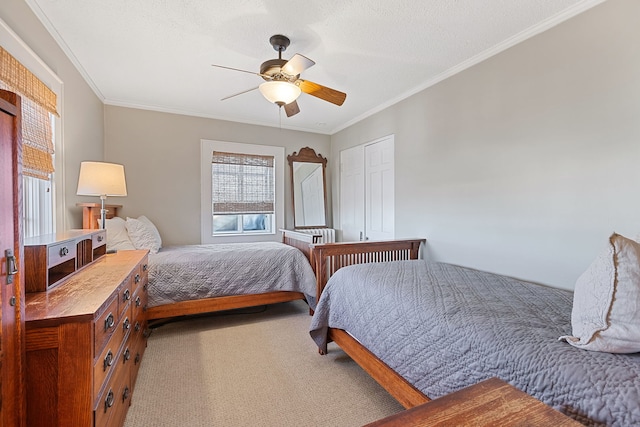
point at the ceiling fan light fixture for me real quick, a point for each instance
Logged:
(280, 93)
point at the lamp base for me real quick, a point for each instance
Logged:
(103, 213)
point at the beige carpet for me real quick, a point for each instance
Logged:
(251, 369)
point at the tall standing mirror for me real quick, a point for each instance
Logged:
(308, 186)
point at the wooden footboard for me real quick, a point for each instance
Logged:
(327, 258)
(302, 241)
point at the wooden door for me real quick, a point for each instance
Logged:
(12, 391)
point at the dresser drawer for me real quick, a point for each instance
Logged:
(125, 294)
(110, 357)
(138, 346)
(114, 400)
(60, 252)
(139, 303)
(105, 324)
(98, 239)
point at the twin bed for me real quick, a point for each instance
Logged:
(421, 329)
(424, 329)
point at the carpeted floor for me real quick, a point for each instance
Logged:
(258, 367)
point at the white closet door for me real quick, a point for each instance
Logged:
(367, 191)
(379, 190)
(352, 194)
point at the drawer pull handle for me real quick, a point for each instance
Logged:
(137, 359)
(109, 322)
(137, 327)
(64, 251)
(144, 287)
(127, 355)
(126, 296)
(144, 267)
(138, 301)
(126, 324)
(137, 279)
(108, 360)
(108, 401)
(100, 238)
(125, 394)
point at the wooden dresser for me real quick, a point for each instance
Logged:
(84, 343)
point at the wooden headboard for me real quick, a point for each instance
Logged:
(91, 214)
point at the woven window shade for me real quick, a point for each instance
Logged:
(19, 79)
(38, 103)
(242, 183)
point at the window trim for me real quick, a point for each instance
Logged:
(206, 148)
(13, 44)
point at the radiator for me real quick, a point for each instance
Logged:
(328, 234)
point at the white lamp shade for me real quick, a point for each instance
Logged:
(101, 179)
(280, 93)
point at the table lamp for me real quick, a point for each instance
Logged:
(101, 179)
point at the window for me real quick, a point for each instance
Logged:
(242, 191)
(21, 71)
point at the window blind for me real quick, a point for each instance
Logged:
(38, 104)
(242, 183)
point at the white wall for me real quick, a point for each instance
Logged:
(525, 163)
(82, 110)
(161, 154)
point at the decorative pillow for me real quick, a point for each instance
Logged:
(117, 237)
(144, 234)
(606, 300)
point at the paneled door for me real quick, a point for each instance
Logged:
(379, 189)
(12, 391)
(367, 195)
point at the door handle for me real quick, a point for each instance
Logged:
(12, 265)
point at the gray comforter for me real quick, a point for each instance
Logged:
(183, 273)
(444, 327)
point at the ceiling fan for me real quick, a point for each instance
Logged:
(283, 84)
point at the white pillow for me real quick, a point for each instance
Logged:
(117, 237)
(143, 234)
(152, 228)
(606, 300)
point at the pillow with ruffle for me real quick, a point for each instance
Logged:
(606, 301)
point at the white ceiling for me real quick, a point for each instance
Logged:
(157, 54)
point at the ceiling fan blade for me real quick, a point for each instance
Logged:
(322, 92)
(235, 69)
(239, 93)
(297, 64)
(291, 109)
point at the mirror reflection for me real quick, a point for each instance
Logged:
(308, 186)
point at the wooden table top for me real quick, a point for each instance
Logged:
(492, 402)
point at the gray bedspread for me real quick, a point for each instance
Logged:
(444, 327)
(183, 273)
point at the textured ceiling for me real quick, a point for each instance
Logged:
(157, 54)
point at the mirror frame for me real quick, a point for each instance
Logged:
(308, 155)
